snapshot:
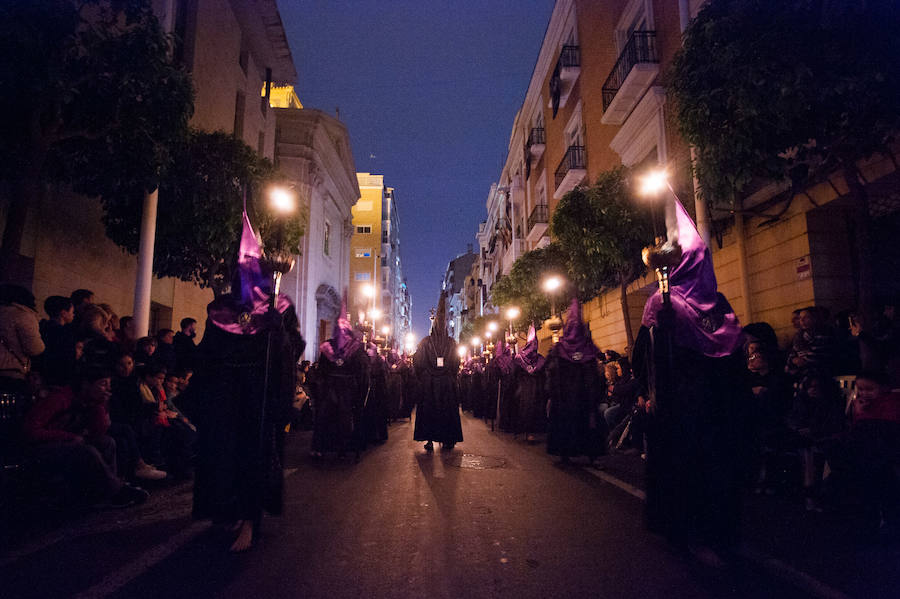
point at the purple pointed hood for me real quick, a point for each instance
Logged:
(576, 344)
(704, 320)
(243, 312)
(529, 358)
(343, 340)
(503, 360)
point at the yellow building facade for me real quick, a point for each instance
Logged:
(365, 248)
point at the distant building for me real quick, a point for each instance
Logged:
(313, 150)
(377, 285)
(457, 281)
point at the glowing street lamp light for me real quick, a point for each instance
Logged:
(410, 339)
(385, 330)
(374, 314)
(653, 183)
(513, 313)
(492, 326)
(476, 341)
(551, 285)
(282, 199)
(461, 351)
(368, 291)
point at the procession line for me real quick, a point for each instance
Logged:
(774, 566)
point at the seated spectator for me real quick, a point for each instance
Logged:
(20, 337)
(173, 387)
(144, 350)
(57, 363)
(185, 348)
(815, 420)
(867, 461)
(621, 391)
(100, 351)
(165, 439)
(68, 436)
(165, 349)
(125, 337)
(770, 395)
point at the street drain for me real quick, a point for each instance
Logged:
(475, 462)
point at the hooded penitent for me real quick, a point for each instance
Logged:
(504, 360)
(576, 344)
(529, 358)
(343, 341)
(439, 336)
(243, 312)
(704, 321)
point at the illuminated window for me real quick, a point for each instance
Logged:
(362, 276)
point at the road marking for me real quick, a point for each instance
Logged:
(630, 489)
(774, 566)
(132, 570)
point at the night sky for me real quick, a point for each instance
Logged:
(428, 90)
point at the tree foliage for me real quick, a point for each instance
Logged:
(522, 286)
(200, 206)
(786, 89)
(88, 94)
(602, 230)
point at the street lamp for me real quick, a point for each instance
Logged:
(461, 351)
(662, 257)
(551, 285)
(279, 259)
(512, 313)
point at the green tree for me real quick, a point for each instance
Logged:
(522, 286)
(88, 94)
(200, 207)
(602, 233)
(791, 90)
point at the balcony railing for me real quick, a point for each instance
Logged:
(536, 137)
(640, 49)
(573, 160)
(540, 214)
(567, 68)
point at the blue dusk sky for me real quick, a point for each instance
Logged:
(428, 90)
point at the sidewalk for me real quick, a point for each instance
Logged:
(829, 548)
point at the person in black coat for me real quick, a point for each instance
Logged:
(436, 364)
(530, 391)
(339, 391)
(576, 427)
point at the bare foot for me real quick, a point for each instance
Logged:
(244, 540)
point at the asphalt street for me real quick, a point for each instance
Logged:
(494, 517)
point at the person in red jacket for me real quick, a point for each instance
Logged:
(67, 433)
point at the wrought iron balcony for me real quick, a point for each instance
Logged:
(537, 222)
(536, 143)
(634, 71)
(568, 67)
(571, 171)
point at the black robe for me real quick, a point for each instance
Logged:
(239, 459)
(575, 427)
(478, 393)
(693, 441)
(375, 412)
(531, 401)
(340, 390)
(437, 414)
(394, 390)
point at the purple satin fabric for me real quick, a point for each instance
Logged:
(503, 360)
(576, 344)
(529, 358)
(343, 340)
(704, 320)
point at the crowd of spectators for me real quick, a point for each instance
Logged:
(90, 412)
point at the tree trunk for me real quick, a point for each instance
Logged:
(24, 192)
(626, 312)
(863, 224)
